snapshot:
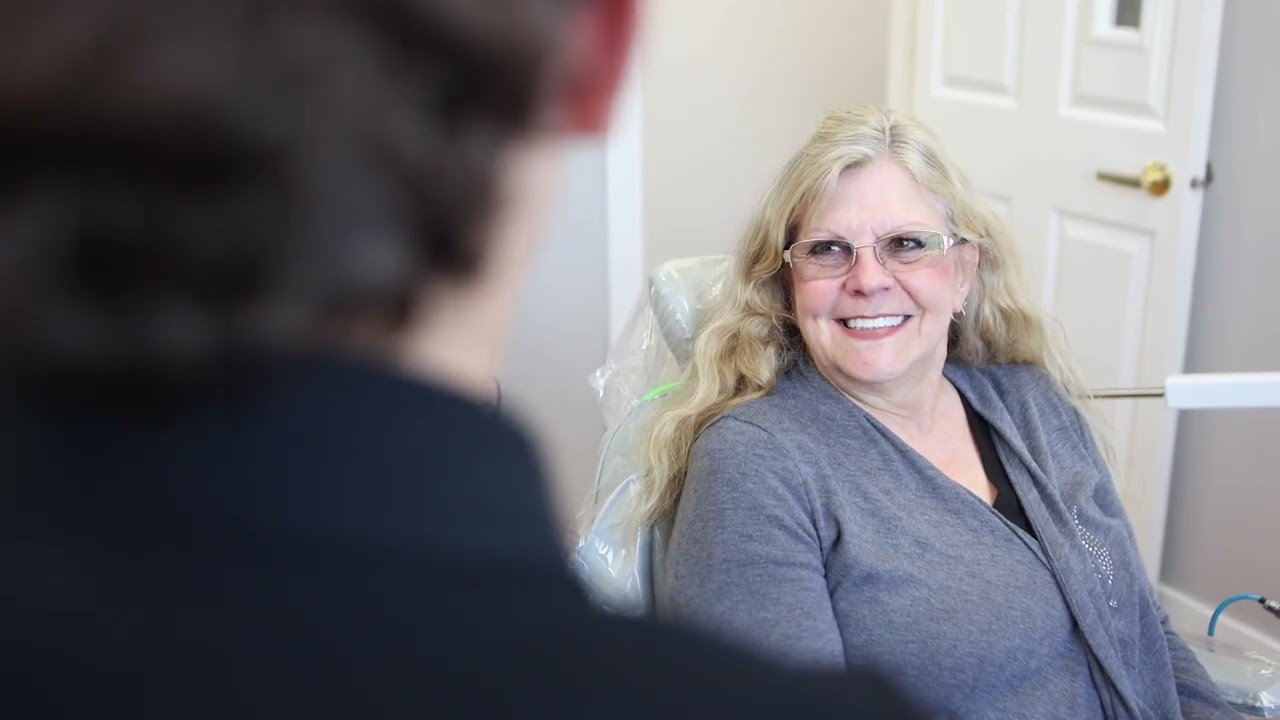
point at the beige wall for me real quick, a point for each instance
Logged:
(730, 89)
(1224, 515)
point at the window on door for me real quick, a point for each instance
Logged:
(1128, 14)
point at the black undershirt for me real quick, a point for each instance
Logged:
(1006, 502)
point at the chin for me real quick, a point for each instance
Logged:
(875, 378)
(872, 374)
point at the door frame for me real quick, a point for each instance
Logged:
(624, 201)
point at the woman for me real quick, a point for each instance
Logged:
(255, 260)
(879, 454)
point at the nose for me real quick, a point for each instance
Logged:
(867, 276)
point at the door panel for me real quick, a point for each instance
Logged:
(1033, 100)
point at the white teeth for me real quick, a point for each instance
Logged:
(874, 323)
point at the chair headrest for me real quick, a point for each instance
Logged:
(681, 291)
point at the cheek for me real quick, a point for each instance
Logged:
(813, 299)
(934, 290)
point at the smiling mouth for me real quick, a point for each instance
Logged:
(874, 323)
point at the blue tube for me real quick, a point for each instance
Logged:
(1213, 621)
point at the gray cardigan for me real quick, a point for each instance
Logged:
(810, 532)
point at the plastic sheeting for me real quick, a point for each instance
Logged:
(615, 557)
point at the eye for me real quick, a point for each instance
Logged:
(907, 242)
(827, 249)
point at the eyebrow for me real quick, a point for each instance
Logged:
(823, 232)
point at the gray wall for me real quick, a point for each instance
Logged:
(1224, 514)
(561, 332)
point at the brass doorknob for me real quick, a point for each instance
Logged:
(1156, 178)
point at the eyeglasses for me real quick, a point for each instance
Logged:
(898, 253)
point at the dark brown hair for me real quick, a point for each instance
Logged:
(183, 182)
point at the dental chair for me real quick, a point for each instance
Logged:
(614, 559)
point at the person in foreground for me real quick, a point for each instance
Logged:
(878, 454)
(255, 258)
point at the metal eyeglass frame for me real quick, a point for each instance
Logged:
(948, 242)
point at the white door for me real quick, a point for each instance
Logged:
(1034, 98)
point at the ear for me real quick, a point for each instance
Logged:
(597, 47)
(967, 257)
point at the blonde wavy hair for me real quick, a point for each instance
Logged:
(750, 337)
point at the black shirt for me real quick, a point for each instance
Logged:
(339, 542)
(1006, 502)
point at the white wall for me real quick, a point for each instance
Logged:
(560, 334)
(1224, 513)
(730, 89)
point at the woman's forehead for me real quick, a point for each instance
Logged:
(873, 201)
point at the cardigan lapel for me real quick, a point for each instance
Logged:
(1052, 521)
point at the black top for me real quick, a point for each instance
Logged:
(337, 542)
(1007, 502)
